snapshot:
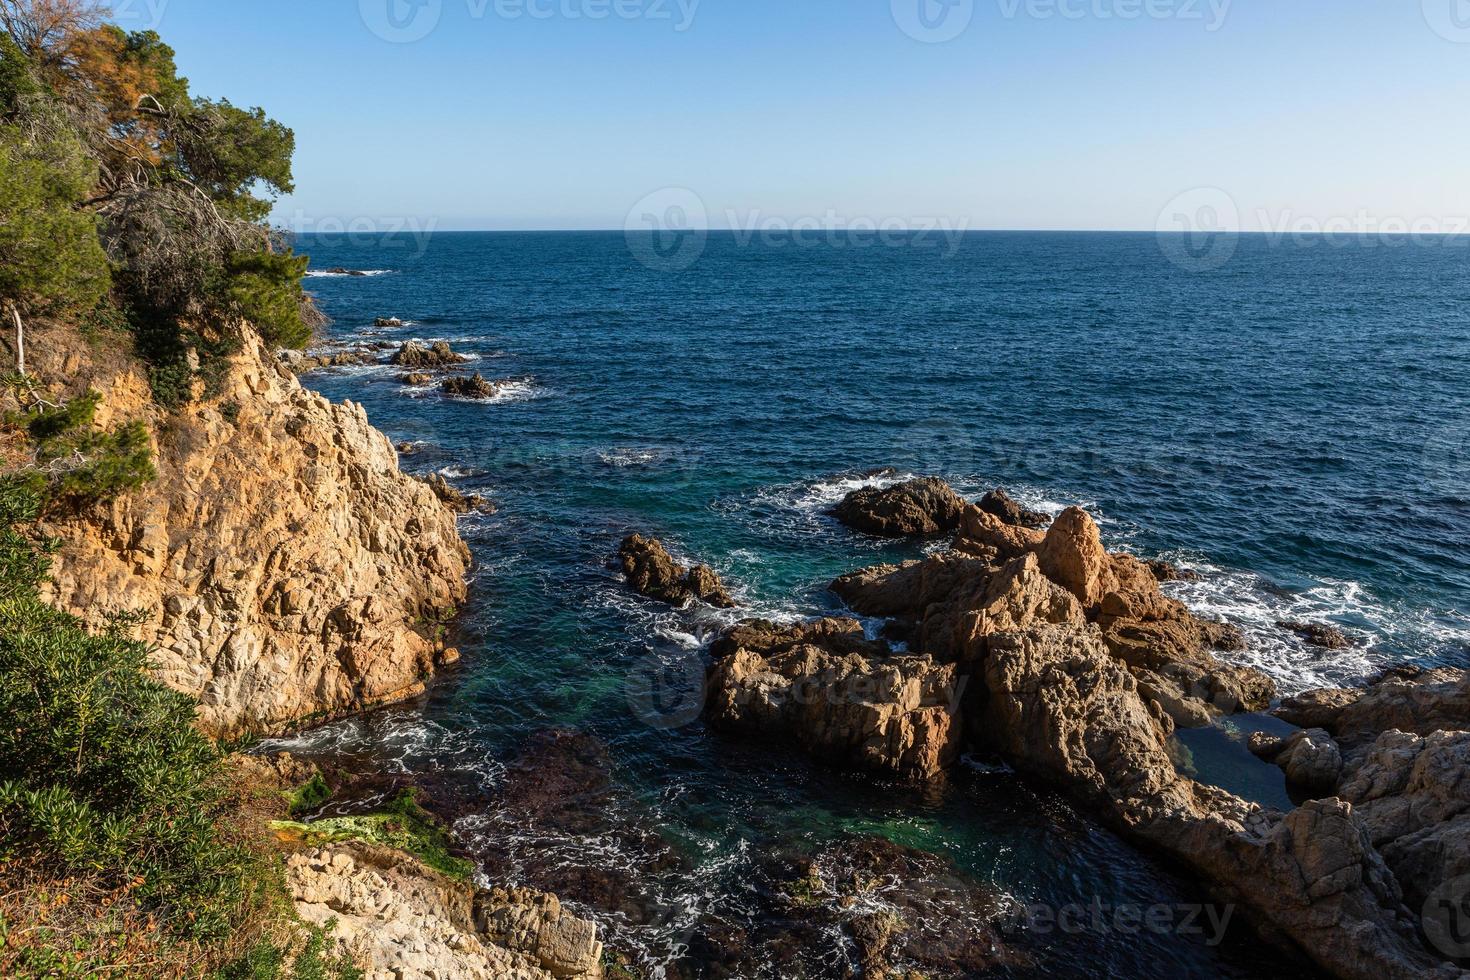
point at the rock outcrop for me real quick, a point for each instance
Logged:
(914, 509)
(1404, 765)
(283, 565)
(1410, 700)
(839, 695)
(652, 572)
(399, 919)
(474, 387)
(1059, 706)
(1003, 577)
(414, 354)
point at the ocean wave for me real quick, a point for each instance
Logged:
(346, 274)
(395, 741)
(631, 457)
(1384, 634)
(510, 390)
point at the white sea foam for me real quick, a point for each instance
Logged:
(635, 456)
(352, 274)
(1383, 634)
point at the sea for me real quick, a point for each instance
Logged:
(1288, 417)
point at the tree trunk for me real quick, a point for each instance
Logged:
(20, 340)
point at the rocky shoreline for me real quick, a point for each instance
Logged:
(1042, 649)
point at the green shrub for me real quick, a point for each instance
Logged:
(85, 465)
(265, 288)
(102, 771)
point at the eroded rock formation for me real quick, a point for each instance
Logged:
(400, 919)
(840, 695)
(284, 566)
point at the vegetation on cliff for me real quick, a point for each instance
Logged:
(136, 211)
(125, 844)
(125, 196)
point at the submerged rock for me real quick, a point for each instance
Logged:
(415, 355)
(455, 499)
(917, 508)
(1318, 634)
(652, 572)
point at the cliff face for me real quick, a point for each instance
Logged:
(287, 570)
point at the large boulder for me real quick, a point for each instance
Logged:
(653, 572)
(1310, 758)
(849, 700)
(1072, 555)
(917, 508)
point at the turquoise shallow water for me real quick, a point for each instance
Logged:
(1293, 425)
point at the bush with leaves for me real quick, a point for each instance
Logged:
(102, 770)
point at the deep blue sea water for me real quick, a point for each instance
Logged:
(1294, 425)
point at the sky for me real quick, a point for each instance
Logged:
(1262, 115)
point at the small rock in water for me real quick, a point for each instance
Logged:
(917, 508)
(415, 378)
(407, 448)
(1000, 503)
(1318, 634)
(415, 355)
(652, 572)
(475, 387)
(387, 321)
(1168, 572)
(455, 499)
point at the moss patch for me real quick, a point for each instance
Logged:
(308, 796)
(402, 824)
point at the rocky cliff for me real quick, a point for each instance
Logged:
(284, 566)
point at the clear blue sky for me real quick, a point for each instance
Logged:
(788, 108)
